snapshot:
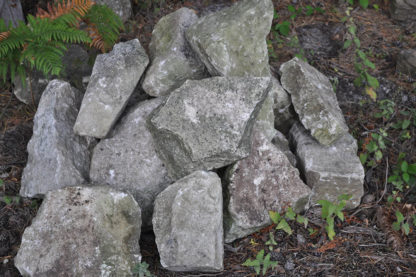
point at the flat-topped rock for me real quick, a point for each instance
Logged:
(127, 160)
(314, 100)
(207, 124)
(329, 170)
(232, 41)
(82, 231)
(113, 79)
(57, 157)
(172, 59)
(187, 222)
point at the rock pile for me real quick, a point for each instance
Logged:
(160, 164)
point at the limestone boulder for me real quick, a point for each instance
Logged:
(406, 62)
(121, 7)
(113, 79)
(172, 59)
(314, 100)
(188, 224)
(264, 181)
(127, 160)
(232, 41)
(404, 12)
(281, 142)
(207, 124)
(329, 170)
(57, 157)
(82, 231)
(284, 114)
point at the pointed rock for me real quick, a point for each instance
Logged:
(329, 170)
(82, 231)
(232, 41)
(127, 160)
(57, 157)
(172, 59)
(187, 222)
(264, 181)
(121, 7)
(113, 80)
(314, 100)
(207, 124)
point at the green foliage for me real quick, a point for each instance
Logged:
(374, 149)
(261, 261)
(404, 174)
(386, 107)
(281, 222)
(141, 270)
(271, 242)
(41, 44)
(403, 223)
(330, 211)
(363, 3)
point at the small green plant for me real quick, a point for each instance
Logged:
(260, 261)
(386, 107)
(404, 174)
(141, 270)
(374, 148)
(363, 3)
(401, 224)
(330, 211)
(41, 44)
(281, 222)
(271, 242)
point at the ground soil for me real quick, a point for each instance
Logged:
(365, 244)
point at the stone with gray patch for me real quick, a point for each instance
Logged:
(406, 62)
(172, 59)
(127, 160)
(264, 181)
(329, 170)
(281, 142)
(121, 7)
(207, 124)
(284, 114)
(314, 100)
(57, 157)
(232, 41)
(188, 224)
(82, 231)
(30, 91)
(404, 12)
(114, 77)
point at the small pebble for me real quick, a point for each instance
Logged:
(368, 198)
(301, 239)
(289, 265)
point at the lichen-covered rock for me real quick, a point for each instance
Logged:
(82, 231)
(57, 157)
(314, 100)
(404, 12)
(262, 182)
(113, 80)
(127, 160)
(187, 222)
(406, 62)
(172, 59)
(121, 7)
(281, 142)
(207, 124)
(232, 41)
(329, 170)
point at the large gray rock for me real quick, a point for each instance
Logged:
(404, 12)
(207, 124)
(284, 115)
(262, 182)
(329, 170)
(314, 100)
(121, 7)
(406, 62)
(232, 41)
(172, 59)
(57, 157)
(281, 142)
(81, 231)
(188, 226)
(113, 80)
(127, 160)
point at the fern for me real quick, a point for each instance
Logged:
(41, 44)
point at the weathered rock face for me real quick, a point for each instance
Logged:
(314, 100)
(404, 11)
(81, 231)
(284, 114)
(323, 39)
(113, 80)
(172, 59)
(232, 41)
(406, 62)
(329, 170)
(280, 141)
(187, 222)
(121, 7)
(22, 91)
(207, 124)
(57, 157)
(262, 182)
(128, 161)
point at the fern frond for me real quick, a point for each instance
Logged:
(4, 35)
(80, 7)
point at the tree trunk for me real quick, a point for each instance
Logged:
(11, 10)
